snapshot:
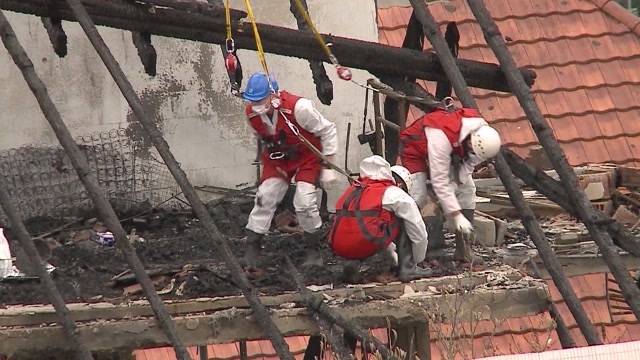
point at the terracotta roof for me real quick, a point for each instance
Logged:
(480, 339)
(586, 54)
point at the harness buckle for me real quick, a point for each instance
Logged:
(277, 155)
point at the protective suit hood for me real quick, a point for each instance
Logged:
(376, 168)
(470, 125)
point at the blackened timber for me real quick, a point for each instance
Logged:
(57, 36)
(556, 155)
(373, 57)
(553, 190)
(315, 304)
(394, 110)
(195, 6)
(529, 219)
(324, 86)
(153, 134)
(566, 340)
(146, 51)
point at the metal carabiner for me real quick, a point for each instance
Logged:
(231, 45)
(277, 155)
(448, 103)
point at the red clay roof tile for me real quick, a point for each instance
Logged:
(587, 58)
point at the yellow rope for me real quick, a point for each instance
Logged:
(256, 34)
(227, 10)
(317, 35)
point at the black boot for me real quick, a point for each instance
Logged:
(463, 248)
(314, 241)
(407, 268)
(435, 230)
(252, 251)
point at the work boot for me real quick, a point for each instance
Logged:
(463, 248)
(435, 230)
(314, 241)
(252, 250)
(407, 268)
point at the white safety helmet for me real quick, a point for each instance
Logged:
(404, 174)
(485, 142)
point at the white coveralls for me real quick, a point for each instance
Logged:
(401, 204)
(272, 190)
(451, 195)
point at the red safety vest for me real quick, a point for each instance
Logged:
(361, 226)
(284, 141)
(413, 141)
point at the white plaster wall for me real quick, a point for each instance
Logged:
(189, 97)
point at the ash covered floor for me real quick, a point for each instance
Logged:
(181, 260)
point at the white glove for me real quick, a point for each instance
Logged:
(463, 226)
(328, 179)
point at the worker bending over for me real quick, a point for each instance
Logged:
(279, 118)
(441, 150)
(375, 214)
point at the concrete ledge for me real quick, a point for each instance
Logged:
(515, 299)
(45, 314)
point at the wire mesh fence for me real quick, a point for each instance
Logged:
(42, 181)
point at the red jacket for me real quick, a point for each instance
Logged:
(361, 226)
(413, 141)
(284, 140)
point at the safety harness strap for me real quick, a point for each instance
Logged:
(356, 195)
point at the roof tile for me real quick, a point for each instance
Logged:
(586, 57)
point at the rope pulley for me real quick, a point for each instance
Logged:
(231, 61)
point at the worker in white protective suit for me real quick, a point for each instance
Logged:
(441, 150)
(376, 213)
(279, 118)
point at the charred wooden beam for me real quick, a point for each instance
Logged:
(452, 37)
(212, 8)
(324, 86)
(396, 110)
(153, 134)
(529, 219)
(325, 326)
(566, 340)
(556, 155)
(553, 190)
(57, 36)
(373, 57)
(89, 180)
(146, 51)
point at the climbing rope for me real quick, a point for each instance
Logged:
(343, 72)
(256, 35)
(294, 129)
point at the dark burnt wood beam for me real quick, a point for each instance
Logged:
(192, 25)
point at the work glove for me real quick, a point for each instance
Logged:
(463, 226)
(328, 179)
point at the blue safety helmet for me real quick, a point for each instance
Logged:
(258, 87)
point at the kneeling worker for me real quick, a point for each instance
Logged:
(375, 214)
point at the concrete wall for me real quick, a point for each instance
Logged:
(189, 97)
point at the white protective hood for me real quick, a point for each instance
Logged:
(470, 125)
(376, 168)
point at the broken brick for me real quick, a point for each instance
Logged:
(485, 231)
(625, 216)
